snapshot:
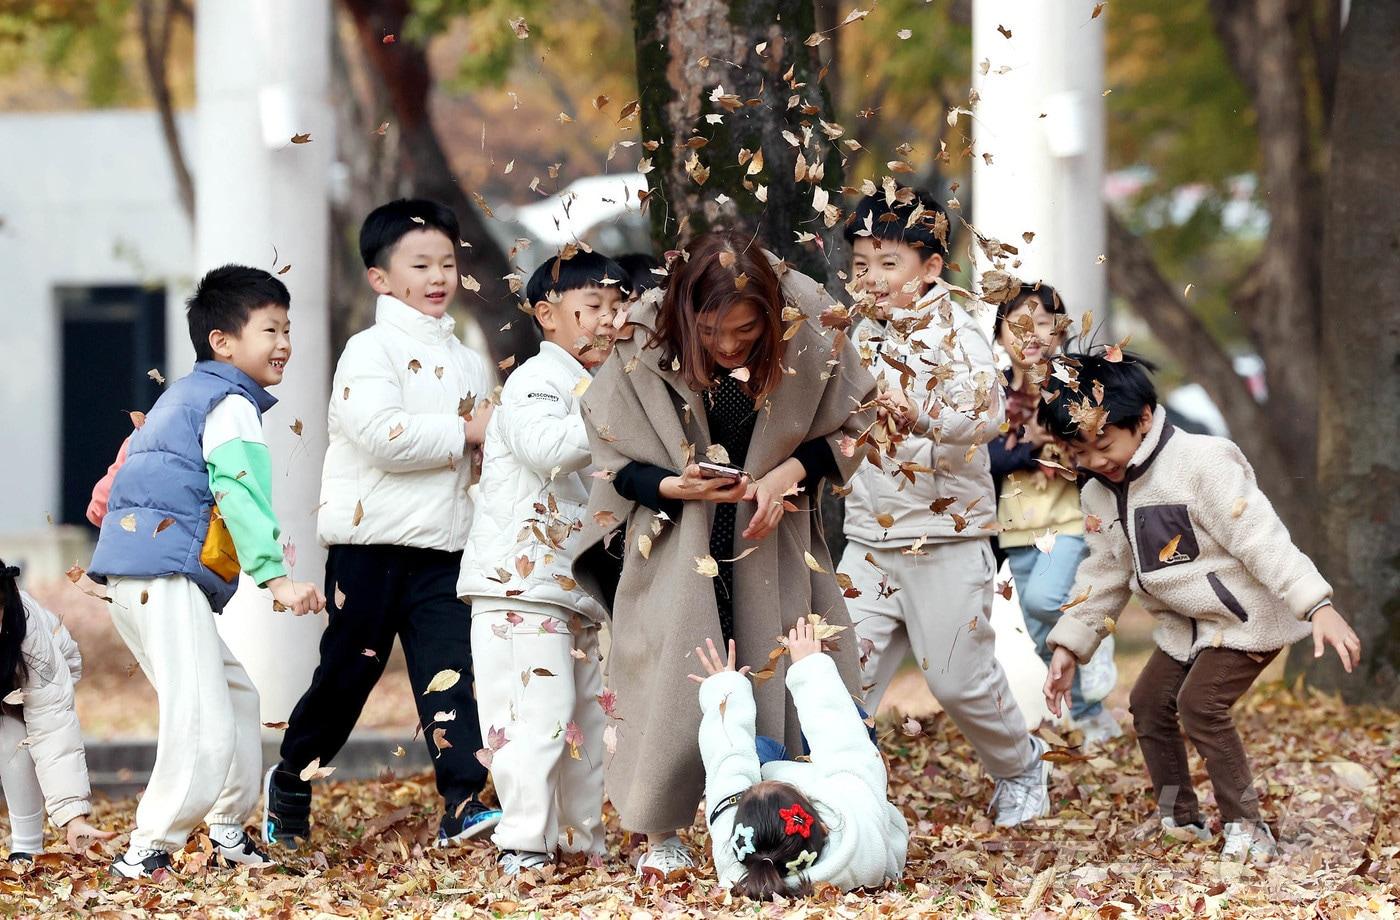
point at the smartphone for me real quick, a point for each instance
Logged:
(720, 471)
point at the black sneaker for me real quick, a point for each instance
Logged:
(20, 857)
(242, 853)
(286, 808)
(148, 863)
(463, 822)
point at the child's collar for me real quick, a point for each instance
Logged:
(391, 311)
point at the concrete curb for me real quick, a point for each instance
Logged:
(121, 767)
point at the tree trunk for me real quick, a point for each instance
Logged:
(688, 48)
(403, 68)
(1360, 359)
(155, 28)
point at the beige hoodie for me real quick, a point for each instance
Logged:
(1190, 533)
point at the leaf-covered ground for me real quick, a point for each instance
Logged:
(1331, 794)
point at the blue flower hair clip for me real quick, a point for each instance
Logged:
(742, 842)
(803, 860)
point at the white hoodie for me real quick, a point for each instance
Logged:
(533, 494)
(867, 838)
(956, 374)
(395, 471)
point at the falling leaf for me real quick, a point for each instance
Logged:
(156, 375)
(395, 432)
(443, 680)
(1006, 33)
(520, 27)
(14, 697)
(1098, 11)
(1113, 353)
(440, 739)
(276, 726)
(359, 514)
(904, 34)
(707, 566)
(644, 546)
(369, 653)
(812, 563)
(301, 138)
(542, 672)
(1170, 549)
(471, 284)
(1046, 542)
(507, 364)
(314, 771)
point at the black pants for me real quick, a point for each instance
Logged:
(387, 591)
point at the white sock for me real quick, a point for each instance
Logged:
(226, 834)
(27, 833)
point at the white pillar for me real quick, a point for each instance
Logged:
(262, 74)
(1042, 120)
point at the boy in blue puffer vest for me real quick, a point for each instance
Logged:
(189, 508)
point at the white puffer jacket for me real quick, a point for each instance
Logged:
(394, 471)
(955, 373)
(533, 493)
(47, 718)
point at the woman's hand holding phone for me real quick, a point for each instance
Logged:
(693, 485)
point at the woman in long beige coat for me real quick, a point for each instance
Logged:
(732, 367)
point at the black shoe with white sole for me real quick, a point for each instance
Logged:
(140, 862)
(242, 853)
(463, 822)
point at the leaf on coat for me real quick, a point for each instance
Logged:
(716, 453)
(524, 566)
(745, 553)
(1078, 599)
(550, 625)
(514, 618)
(1170, 549)
(608, 700)
(369, 653)
(812, 563)
(959, 522)
(1093, 523)
(395, 432)
(707, 566)
(129, 523)
(542, 672)
(339, 597)
(610, 738)
(573, 737)
(577, 654)
(644, 546)
(440, 739)
(565, 582)
(1238, 507)
(1004, 589)
(414, 365)
(1110, 625)
(359, 514)
(940, 505)
(164, 523)
(443, 680)
(821, 629)
(605, 519)
(885, 519)
(314, 770)
(582, 386)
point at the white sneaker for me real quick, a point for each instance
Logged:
(1248, 842)
(1098, 678)
(667, 861)
(243, 852)
(1099, 728)
(1026, 797)
(514, 862)
(1191, 833)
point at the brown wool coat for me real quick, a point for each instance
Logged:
(664, 608)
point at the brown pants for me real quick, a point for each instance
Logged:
(1199, 696)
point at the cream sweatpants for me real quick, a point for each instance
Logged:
(24, 798)
(209, 744)
(941, 611)
(549, 772)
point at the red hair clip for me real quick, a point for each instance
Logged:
(798, 821)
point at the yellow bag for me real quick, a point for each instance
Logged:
(218, 553)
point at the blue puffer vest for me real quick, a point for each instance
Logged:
(165, 479)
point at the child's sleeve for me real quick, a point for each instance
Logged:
(974, 377)
(240, 476)
(97, 507)
(1103, 576)
(368, 398)
(838, 738)
(1241, 518)
(731, 760)
(540, 429)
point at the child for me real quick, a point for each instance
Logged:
(39, 663)
(527, 611)
(918, 548)
(189, 508)
(407, 408)
(1178, 519)
(1034, 500)
(779, 826)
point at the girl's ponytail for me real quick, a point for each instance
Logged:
(763, 880)
(12, 630)
(777, 838)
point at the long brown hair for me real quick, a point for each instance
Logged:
(723, 270)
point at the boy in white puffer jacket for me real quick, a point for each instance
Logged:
(918, 531)
(534, 632)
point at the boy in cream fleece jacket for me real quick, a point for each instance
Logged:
(1178, 519)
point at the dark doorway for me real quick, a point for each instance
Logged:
(112, 336)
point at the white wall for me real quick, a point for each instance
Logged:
(86, 198)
